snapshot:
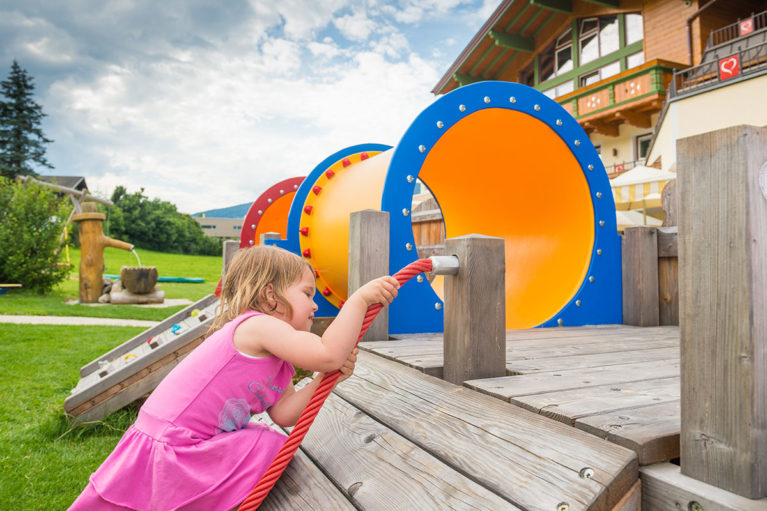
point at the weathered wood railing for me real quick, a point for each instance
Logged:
(428, 229)
(650, 276)
(650, 269)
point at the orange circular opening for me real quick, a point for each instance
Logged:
(503, 173)
(275, 217)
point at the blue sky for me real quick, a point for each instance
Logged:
(207, 104)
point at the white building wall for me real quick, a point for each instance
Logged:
(743, 102)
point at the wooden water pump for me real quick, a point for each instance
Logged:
(92, 244)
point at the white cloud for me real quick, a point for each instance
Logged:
(213, 120)
(487, 8)
(392, 45)
(356, 26)
(280, 56)
(301, 18)
(410, 14)
(415, 11)
(325, 49)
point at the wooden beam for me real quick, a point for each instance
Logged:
(722, 186)
(513, 41)
(369, 259)
(229, 249)
(475, 317)
(611, 130)
(605, 3)
(466, 79)
(640, 276)
(632, 501)
(638, 119)
(565, 6)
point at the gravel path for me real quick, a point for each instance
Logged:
(74, 320)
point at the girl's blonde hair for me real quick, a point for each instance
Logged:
(247, 277)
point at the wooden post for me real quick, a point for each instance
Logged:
(369, 259)
(639, 247)
(668, 276)
(475, 310)
(670, 201)
(229, 249)
(92, 244)
(722, 184)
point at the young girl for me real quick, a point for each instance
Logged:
(192, 446)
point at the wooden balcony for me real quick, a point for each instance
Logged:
(629, 97)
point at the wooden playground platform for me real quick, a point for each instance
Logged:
(616, 382)
(392, 437)
(585, 413)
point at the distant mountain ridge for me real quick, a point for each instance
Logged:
(238, 211)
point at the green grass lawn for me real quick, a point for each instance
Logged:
(46, 463)
(45, 460)
(20, 301)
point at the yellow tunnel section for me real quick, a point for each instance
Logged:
(352, 184)
(523, 185)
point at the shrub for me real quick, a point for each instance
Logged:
(32, 219)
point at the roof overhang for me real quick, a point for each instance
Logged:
(475, 41)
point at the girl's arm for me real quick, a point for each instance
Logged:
(286, 410)
(267, 335)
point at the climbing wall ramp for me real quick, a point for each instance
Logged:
(137, 366)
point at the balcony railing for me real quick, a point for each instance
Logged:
(709, 74)
(647, 82)
(738, 29)
(617, 169)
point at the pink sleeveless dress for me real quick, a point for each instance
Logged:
(192, 446)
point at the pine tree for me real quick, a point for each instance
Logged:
(21, 138)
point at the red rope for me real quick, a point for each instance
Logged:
(289, 448)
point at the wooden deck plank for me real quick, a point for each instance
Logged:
(508, 387)
(303, 486)
(650, 431)
(377, 468)
(549, 333)
(569, 405)
(424, 351)
(534, 348)
(638, 338)
(610, 345)
(590, 332)
(591, 360)
(531, 461)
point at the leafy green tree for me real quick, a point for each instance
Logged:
(21, 137)
(157, 225)
(31, 221)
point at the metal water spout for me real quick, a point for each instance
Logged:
(92, 244)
